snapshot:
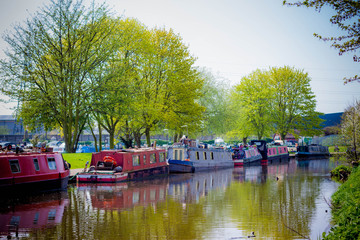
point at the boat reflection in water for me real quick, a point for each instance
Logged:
(125, 195)
(191, 187)
(278, 170)
(39, 212)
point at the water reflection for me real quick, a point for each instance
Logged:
(276, 201)
(19, 219)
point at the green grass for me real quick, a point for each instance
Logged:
(346, 209)
(341, 148)
(77, 160)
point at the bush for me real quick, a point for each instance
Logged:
(341, 173)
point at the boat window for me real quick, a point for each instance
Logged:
(162, 157)
(144, 159)
(197, 156)
(14, 165)
(36, 164)
(51, 163)
(212, 155)
(153, 158)
(181, 155)
(136, 160)
(175, 155)
(52, 215)
(36, 218)
(205, 158)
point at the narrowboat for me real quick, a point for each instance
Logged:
(313, 151)
(32, 171)
(111, 166)
(245, 155)
(271, 152)
(189, 157)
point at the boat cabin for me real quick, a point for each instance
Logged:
(129, 159)
(25, 169)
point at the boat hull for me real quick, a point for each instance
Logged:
(35, 186)
(178, 166)
(311, 156)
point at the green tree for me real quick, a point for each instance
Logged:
(168, 84)
(215, 99)
(251, 103)
(293, 103)
(350, 128)
(116, 78)
(347, 18)
(52, 56)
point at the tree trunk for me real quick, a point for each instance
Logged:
(94, 136)
(137, 138)
(147, 134)
(100, 136)
(112, 137)
(244, 140)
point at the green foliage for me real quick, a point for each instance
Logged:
(341, 173)
(214, 97)
(250, 105)
(350, 130)
(293, 105)
(333, 130)
(346, 18)
(346, 209)
(49, 61)
(278, 100)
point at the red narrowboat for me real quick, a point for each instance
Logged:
(32, 171)
(112, 166)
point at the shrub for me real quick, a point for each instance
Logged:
(341, 173)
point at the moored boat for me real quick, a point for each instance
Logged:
(313, 151)
(188, 157)
(32, 171)
(112, 166)
(271, 152)
(245, 155)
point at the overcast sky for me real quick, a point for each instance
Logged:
(232, 38)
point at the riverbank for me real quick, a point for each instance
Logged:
(346, 209)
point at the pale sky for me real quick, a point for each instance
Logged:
(232, 38)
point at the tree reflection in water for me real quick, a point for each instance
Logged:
(274, 201)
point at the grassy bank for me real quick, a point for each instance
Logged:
(77, 160)
(346, 209)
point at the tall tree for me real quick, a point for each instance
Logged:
(350, 128)
(117, 76)
(53, 55)
(347, 18)
(168, 84)
(215, 99)
(251, 100)
(293, 104)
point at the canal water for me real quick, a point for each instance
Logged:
(286, 200)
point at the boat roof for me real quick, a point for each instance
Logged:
(133, 150)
